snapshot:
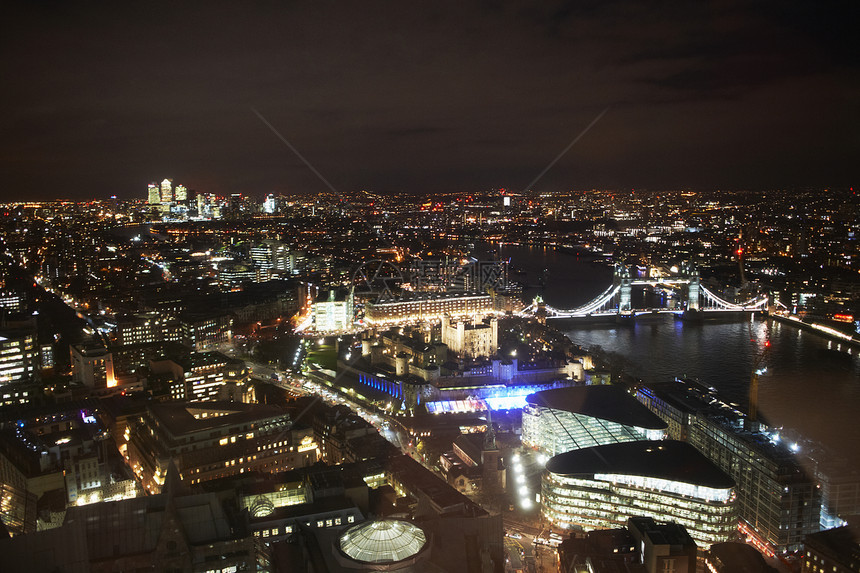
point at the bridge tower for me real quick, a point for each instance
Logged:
(693, 292)
(622, 278)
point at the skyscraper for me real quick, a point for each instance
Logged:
(167, 191)
(154, 195)
(180, 193)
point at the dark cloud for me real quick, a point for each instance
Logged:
(385, 95)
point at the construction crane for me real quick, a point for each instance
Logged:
(757, 370)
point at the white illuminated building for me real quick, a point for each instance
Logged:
(332, 312)
(564, 419)
(469, 339)
(602, 487)
(167, 191)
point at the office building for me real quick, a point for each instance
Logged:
(19, 356)
(333, 311)
(205, 330)
(92, 365)
(167, 191)
(603, 486)
(271, 254)
(564, 419)
(153, 194)
(203, 376)
(145, 328)
(12, 301)
(209, 440)
(832, 551)
(779, 502)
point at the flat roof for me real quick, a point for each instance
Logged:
(178, 419)
(611, 403)
(662, 459)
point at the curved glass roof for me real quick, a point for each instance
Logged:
(382, 541)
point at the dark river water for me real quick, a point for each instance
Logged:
(811, 384)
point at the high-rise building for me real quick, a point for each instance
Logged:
(180, 194)
(269, 205)
(12, 301)
(779, 503)
(19, 356)
(167, 191)
(154, 194)
(271, 254)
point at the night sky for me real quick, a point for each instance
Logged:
(101, 99)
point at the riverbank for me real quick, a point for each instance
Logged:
(819, 329)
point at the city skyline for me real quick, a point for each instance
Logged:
(443, 98)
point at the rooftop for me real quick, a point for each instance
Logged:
(182, 418)
(666, 459)
(611, 403)
(382, 541)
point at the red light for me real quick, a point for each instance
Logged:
(767, 343)
(740, 252)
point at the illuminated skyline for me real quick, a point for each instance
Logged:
(390, 97)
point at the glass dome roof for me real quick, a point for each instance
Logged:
(382, 541)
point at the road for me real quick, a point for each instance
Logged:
(300, 385)
(523, 554)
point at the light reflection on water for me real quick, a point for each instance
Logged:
(811, 383)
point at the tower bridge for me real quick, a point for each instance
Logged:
(617, 298)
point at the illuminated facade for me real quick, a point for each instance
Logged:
(18, 356)
(144, 328)
(93, 366)
(12, 301)
(602, 487)
(429, 307)
(471, 340)
(381, 545)
(333, 312)
(779, 503)
(204, 376)
(153, 194)
(209, 440)
(167, 191)
(560, 420)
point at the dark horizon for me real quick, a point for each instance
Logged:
(440, 98)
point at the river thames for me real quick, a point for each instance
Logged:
(811, 384)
